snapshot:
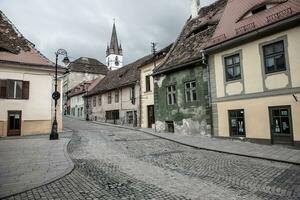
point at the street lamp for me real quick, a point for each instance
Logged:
(56, 94)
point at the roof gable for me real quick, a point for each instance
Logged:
(194, 37)
(88, 65)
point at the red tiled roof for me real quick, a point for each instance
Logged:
(15, 48)
(236, 21)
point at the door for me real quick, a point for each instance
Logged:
(151, 118)
(14, 123)
(281, 125)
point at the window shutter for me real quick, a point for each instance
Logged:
(25, 90)
(3, 89)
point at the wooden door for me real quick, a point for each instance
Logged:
(14, 123)
(151, 117)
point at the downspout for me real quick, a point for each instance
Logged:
(205, 62)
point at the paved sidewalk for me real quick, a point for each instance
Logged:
(31, 161)
(278, 153)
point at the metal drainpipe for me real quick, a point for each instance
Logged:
(205, 62)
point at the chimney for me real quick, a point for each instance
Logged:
(195, 7)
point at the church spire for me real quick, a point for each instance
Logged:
(114, 47)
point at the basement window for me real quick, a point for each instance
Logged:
(170, 126)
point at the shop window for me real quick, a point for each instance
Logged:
(274, 57)
(237, 123)
(233, 67)
(190, 91)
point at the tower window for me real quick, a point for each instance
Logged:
(117, 61)
(259, 9)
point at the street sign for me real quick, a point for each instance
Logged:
(56, 95)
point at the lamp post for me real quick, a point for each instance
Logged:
(56, 94)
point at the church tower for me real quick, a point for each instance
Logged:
(114, 53)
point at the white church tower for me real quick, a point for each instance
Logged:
(114, 53)
(195, 7)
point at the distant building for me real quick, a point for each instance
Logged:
(114, 52)
(76, 98)
(80, 70)
(26, 85)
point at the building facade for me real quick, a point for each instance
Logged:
(181, 80)
(147, 88)
(255, 82)
(81, 70)
(26, 85)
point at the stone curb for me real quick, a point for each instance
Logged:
(194, 146)
(66, 172)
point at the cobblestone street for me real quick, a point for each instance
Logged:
(114, 163)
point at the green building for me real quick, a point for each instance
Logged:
(181, 81)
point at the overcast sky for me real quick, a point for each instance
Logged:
(83, 27)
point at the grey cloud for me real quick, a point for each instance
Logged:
(83, 27)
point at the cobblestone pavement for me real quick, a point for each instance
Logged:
(112, 163)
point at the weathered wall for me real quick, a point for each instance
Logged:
(189, 118)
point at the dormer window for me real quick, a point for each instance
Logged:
(259, 9)
(198, 30)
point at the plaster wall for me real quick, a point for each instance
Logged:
(38, 108)
(254, 79)
(257, 122)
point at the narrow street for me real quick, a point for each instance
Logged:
(114, 163)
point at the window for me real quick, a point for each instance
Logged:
(117, 96)
(259, 9)
(117, 61)
(14, 89)
(171, 94)
(129, 117)
(274, 58)
(94, 101)
(112, 115)
(132, 95)
(100, 100)
(109, 98)
(190, 91)
(237, 123)
(148, 86)
(233, 67)
(170, 126)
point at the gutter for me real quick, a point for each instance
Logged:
(178, 66)
(259, 33)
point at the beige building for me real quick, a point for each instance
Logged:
(255, 72)
(26, 85)
(147, 89)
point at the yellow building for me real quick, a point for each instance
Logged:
(147, 89)
(26, 85)
(255, 72)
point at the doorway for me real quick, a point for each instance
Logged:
(14, 123)
(151, 116)
(281, 125)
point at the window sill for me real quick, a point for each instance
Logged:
(233, 81)
(275, 72)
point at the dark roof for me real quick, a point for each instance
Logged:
(88, 65)
(238, 18)
(114, 47)
(15, 48)
(126, 75)
(193, 38)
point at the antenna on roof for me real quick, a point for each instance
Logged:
(154, 51)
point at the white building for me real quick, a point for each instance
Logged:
(26, 85)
